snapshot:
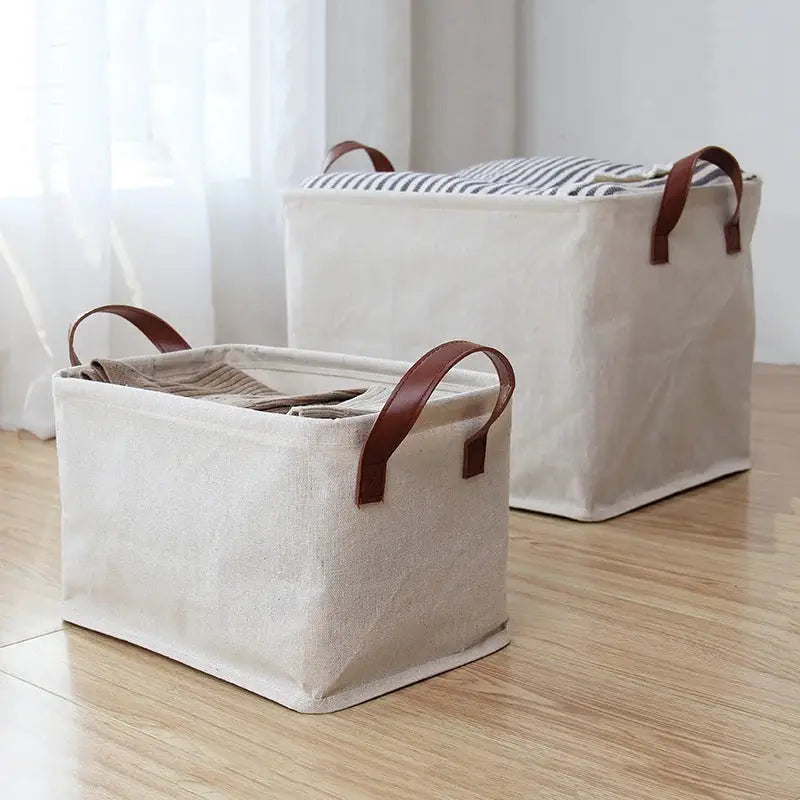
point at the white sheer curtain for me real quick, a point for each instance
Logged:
(145, 143)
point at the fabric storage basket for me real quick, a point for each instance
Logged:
(622, 294)
(282, 553)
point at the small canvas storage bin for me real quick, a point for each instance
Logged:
(317, 562)
(623, 295)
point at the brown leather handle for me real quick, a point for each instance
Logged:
(676, 192)
(379, 161)
(405, 404)
(161, 334)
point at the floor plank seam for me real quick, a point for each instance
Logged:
(31, 638)
(100, 712)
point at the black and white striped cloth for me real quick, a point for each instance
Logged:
(568, 176)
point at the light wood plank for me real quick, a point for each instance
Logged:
(51, 749)
(653, 656)
(29, 538)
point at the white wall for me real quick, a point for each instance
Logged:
(463, 62)
(651, 81)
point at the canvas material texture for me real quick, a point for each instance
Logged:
(229, 539)
(633, 380)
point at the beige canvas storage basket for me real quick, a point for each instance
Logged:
(622, 294)
(316, 562)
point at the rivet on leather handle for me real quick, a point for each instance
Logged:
(406, 403)
(676, 193)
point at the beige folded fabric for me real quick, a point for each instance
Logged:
(369, 401)
(222, 383)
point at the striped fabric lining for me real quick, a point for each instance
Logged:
(540, 176)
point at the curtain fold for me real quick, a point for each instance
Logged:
(145, 146)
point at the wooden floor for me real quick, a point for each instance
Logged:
(655, 656)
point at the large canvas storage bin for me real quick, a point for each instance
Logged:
(282, 553)
(622, 294)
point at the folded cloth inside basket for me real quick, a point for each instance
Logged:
(220, 383)
(370, 401)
